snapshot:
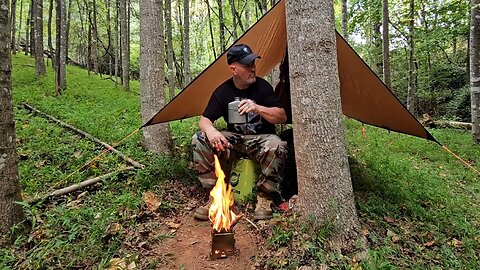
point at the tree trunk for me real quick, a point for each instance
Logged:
(234, 19)
(11, 213)
(118, 51)
(386, 44)
(157, 138)
(27, 31)
(49, 28)
(20, 22)
(110, 48)
(324, 184)
(345, 19)
(170, 67)
(13, 20)
(94, 37)
(212, 39)
(412, 73)
(32, 28)
(186, 42)
(60, 57)
(67, 29)
(221, 25)
(40, 69)
(122, 15)
(83, 48)
(475, 69)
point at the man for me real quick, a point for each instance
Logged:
(255, 138)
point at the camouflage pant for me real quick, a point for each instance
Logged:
(267, 149)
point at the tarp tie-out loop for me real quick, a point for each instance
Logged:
(462, 160)
(106, 150)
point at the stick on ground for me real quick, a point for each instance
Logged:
(85, 134)
(75, 187)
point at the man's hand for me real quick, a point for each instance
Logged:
(216, 139)
(246, 106)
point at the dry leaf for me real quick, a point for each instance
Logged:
(395, 238)
(173, 225)
(390, 233)
(389, 219)
(121, 264)
(456, 243)
(429, 244)
(151, 201)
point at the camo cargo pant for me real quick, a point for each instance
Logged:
(267, 149)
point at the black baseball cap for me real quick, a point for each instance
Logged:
(242, 54)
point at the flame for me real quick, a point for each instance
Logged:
(219, 213)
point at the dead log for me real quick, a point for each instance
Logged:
(76, 187)
(428, 121)
(87, 135)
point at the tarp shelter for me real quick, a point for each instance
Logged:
(364, 96)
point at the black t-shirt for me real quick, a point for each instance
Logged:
(261, 92)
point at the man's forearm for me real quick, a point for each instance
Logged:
(273, 115)
(205, 124)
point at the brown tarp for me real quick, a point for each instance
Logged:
(364, 96)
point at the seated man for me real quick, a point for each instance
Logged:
(255, 138)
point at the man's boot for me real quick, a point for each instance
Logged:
(263, 209)
(202, 212)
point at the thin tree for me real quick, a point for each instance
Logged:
(110, 48)
(40, 69)
(122, 16)
(94, 35)
(475, 68)
(324, 184)
(11, 213)
(386, 44)
(186, 42)
(170, 67)
(49, 29)
(27, 31)
(13, 20)
(20, 22)
(157, 138)
(67, 29)
(345, 19)
(412, 73)
(221, 25)
(234, 19)
(60, 48)
(32, 28)
(210, 26)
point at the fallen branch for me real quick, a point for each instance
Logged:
(429, 122)
(75, 187)
(87, 135)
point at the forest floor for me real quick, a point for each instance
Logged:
(417, 205)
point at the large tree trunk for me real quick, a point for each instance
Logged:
(386, 44)
(60, 57)
(13, 20)
(157, 138)
(475, 69)
(345, 19)
(170, 67)
(11, 213)
(186, 42)
(40, 69)
(122, 15)
(412, 72)
(324, 184)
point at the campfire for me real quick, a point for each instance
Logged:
(222, 218)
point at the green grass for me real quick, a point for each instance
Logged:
(408, 191)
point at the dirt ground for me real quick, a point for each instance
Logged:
(191, 245)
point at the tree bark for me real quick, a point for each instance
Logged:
(49, 28)
(234, 19)
(110, 48)
(67, 28)
(93, 23)
(122, 14)
(13, 20)
(170, 67)
(475, 69)
(11, 213)
(186, 42)
(221, 25)
(324, 184)
(345, 19)
(60, 57)
(20, 22)
(32, 28)
(210, 26)
(157, 138)
(412, 73)
(118, 45)
(40, 69)
(386, 44)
